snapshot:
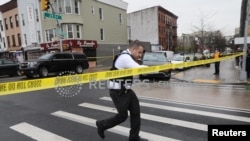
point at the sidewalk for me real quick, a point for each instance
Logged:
(229, 74)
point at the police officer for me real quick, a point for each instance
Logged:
(217, 64)
(122, 96)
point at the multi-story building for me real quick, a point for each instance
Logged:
(156, 25)
(30, 23)
(3, 47)
(96, 27)
(12, 30)
(86, 24)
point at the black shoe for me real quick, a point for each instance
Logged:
(216, 73)
(138, 139)
(100, 130)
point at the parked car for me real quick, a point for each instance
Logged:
(177, 59)
(9, 67)
(55, 63)
(153, 59)
(169, 54)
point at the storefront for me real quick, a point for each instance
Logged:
(14, 53)
(72, 45)
(32, 52)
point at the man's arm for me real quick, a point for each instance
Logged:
(125, 61)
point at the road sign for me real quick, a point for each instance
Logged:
(53, 16)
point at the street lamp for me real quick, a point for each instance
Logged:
(243, 73)
(183, 45)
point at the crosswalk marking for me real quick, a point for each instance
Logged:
(190, 111)
(182, 123)
(36, 133)
(117, 129)
(196, 104)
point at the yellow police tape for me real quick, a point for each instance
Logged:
(46, 83)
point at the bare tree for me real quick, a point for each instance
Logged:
(206, 33)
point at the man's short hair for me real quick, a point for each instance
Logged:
(136, 44)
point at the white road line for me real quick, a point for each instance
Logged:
(196, 104)
(184, 110)
(182, 123)
(36, 133)
(117, 129)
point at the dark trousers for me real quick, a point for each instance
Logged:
(125, 102)
(217, 67)
(248, 73)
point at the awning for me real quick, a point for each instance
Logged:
(32, 47)
(13, 49)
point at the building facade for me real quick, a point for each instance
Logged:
(30, 24)
(96, 27)
(99, 23)
(3, 47)
(12, 31)
(156, 25)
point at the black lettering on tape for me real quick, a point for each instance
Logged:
(3, 87)
(21, 85)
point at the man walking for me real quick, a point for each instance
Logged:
(217, 64)
(123, 97)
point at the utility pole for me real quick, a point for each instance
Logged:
(243, 73)
(45, 5)
(60, 29)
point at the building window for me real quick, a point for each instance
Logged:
(19, 39)
(0, 37)
(39, 36)
(1, 25)
(92, 9)
(17, 20)
(4, 45)
(120, 18)
(6, 25)
(8, 41)
(11, 22)
(102, 34)
(25, 39)
(70, 30)
(37, 17)
(59, 6)
(23, 20)
(13, 41)
(49, 34)
(67, 4)
(78, 31)
(77, 7)
(101, 13)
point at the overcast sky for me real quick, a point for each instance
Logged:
(222, 15)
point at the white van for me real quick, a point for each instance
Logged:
(169, 54)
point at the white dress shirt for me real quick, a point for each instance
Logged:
(124, 61)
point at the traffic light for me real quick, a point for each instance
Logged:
(45, 5)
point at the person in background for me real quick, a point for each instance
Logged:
(248, 63)
(123, 97)
(217, 64)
